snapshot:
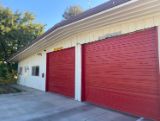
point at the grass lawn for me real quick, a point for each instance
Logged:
(6, 89)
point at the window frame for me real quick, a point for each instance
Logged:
(20, 70)
(35, 71)
(26, 69)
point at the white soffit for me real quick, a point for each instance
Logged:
(129, 10)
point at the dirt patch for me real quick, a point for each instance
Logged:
(7, 89)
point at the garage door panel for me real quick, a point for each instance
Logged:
(61, 69)
(128, 77)
(61, 90)
(122, 73)
(129, 89)
(120, 94)
(130, 69)
(122, 48)
(132, 90)
(123, 101)
(139, 60)
(133, 44)
(120, 54)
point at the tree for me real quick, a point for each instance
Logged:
(16, 31)
(72, 11)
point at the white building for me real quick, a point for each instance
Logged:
(108, 55)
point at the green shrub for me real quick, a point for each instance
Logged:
(8, 73)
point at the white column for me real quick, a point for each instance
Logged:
(78, 72)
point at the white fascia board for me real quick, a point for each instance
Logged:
(114, 8)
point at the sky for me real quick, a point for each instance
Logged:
(48, 12)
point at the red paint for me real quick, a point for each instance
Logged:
(122, 73)
(60, 72)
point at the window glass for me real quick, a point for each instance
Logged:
(35, 71)
(26, 69)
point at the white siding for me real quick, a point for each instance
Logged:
(85, 37)
(123, 27)
(27, 79)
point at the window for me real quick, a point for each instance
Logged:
(26, 69)
(35, 71)
(20, 71)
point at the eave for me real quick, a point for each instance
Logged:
(127, 11)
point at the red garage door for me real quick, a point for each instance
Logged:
(122, 73)
(60, 72)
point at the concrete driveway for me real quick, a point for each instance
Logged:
(33, 105)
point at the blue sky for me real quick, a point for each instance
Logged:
(47, 12)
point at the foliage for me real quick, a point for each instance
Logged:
(8, 73)
(16, 31)
(72, 11)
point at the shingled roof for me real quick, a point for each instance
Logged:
(105, 6)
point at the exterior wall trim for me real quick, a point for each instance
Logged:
(158, 34)
(78, 72)
(46, 86)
